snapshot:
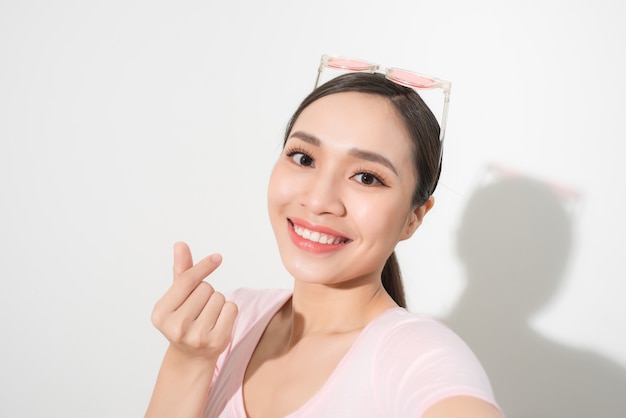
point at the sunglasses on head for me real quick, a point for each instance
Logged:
(405, 78)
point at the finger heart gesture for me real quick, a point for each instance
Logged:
(195, 318)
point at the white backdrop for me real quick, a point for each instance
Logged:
(128, 125)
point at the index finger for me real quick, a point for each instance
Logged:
(196, 273)
(184, 284)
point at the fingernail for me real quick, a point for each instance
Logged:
(216, 258)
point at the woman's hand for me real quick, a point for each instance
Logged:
(196, 319)
(198, 322)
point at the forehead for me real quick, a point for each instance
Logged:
(357, 120)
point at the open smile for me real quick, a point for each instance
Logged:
(315, 239)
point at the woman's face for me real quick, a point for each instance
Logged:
(340, 194)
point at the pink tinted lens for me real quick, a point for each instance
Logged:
(348, 64)
(410, 79)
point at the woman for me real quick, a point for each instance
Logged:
(360, 162)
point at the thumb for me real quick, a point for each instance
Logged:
(183, 260)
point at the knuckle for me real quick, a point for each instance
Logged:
(218, 298)
(205, 288)
(176, 331)
(156, 318)
(196, 342)
(232, 306)
(158, 315)
(220, 341)
(198, 338)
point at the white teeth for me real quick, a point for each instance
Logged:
(317, 237)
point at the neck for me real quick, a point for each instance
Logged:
(320, 309)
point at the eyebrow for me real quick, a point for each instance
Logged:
(310, 139)
(355, 152)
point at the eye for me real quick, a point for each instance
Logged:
(301, 158)
(368, 179)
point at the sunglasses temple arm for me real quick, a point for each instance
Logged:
(444, 116)
(319, 74)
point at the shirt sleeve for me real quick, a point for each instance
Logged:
(420, 362)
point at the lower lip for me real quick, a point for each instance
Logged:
(310, 246)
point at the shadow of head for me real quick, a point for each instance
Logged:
(514, 241)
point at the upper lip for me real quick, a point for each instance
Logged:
(319, 228)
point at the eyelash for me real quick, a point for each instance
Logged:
(378, 178)
(291, 152)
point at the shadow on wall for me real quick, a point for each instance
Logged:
(514, 241)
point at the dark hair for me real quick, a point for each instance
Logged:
(423, 130)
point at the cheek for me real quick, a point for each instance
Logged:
(383, 217)
(279, 190)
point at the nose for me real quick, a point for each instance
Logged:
(323, 195)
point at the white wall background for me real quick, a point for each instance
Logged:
(128, 125)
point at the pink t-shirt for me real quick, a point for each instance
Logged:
(399, 366)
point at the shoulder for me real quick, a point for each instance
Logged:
(256, 306)
(254, 299)
(255, 309)
(425, 362)
(424, 342)
(403, 331)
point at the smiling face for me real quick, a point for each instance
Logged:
(339, 197)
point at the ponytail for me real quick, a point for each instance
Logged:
(392, 280)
